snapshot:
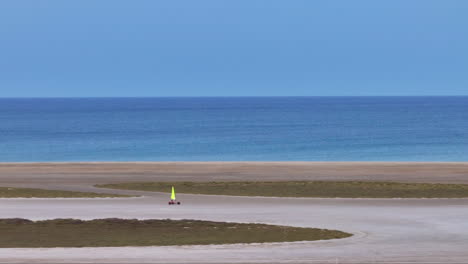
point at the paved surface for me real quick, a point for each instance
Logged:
(386, 230)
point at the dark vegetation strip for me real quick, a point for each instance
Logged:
(10, 192)
(344, 189)
(112, 232)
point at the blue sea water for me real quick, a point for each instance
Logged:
(235, 129)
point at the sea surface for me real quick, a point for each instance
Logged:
(235, 129)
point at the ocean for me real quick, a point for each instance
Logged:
(234, 129)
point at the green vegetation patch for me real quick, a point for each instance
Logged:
(115, 232)
(344, 189)
(10, 192)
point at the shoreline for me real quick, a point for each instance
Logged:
(210, 161)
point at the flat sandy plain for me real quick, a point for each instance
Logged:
(385, 230)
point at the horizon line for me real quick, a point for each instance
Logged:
(220, 96)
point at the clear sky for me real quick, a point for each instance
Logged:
(233, 48)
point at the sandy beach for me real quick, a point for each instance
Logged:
(103, 172)
(385, 230)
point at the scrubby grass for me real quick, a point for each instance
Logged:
(10, 192)
(119, 232)
(344, 189)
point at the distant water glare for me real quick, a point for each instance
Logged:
(235, 129)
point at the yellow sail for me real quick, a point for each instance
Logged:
(173, 193)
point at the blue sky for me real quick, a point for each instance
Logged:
(233, 48)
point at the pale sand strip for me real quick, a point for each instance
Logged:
(420, 231)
